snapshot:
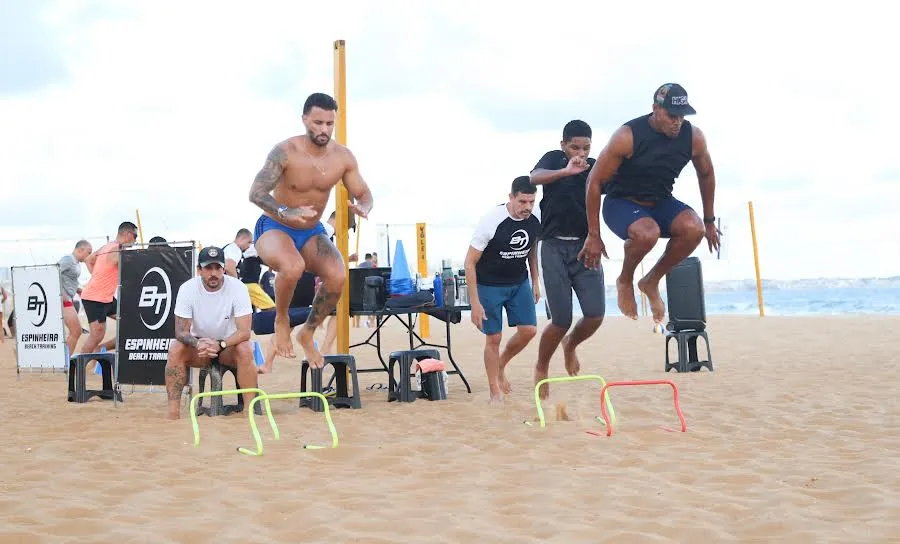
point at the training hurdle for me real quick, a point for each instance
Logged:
(198, 396)
(593, 377)
(277, 396)
(603, 394)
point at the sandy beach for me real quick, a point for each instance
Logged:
(793, 438)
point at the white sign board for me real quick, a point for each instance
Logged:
(40, 333)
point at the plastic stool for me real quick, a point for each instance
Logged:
(434, 386)
(78, 391)
(217, 407)
(402, 391)
(688, 360)
(342, 398)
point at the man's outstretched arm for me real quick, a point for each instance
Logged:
(706, 174)
(609, 160)
(267, 178)
(357, 187)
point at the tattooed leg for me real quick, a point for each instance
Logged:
(176, 379)
(330, 266)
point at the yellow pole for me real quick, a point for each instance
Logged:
(759, 295)
(137, 212)
(341, 198)
(422, 258)
(358, 228)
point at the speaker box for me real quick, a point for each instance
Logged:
(685, 295)
(357, 281)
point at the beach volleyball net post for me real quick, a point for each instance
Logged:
(40, 332)
(149, 279)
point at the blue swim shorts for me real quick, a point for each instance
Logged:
(517, 299)
(299, 236)
(620, 213)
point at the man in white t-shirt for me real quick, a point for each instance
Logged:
(212, 321)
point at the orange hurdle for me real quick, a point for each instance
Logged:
(644, 382)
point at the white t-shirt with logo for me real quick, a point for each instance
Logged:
(213, 313)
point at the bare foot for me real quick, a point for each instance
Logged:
(269, 361)
(313, 356)
(573, 365)
(657, 306)
(627, 305)
(503, 383)
(544, 390)
(282, 340)
(496, 399)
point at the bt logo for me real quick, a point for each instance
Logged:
(37, 303)
(153, 295)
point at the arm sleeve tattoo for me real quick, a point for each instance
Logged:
(267, 178)
(183, 332)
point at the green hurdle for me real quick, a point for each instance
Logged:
(278, 396)
(198, 396)
(594, 377)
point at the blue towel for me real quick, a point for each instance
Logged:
(264, 322)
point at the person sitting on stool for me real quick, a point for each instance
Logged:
(212, 321)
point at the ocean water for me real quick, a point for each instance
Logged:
(817, 301)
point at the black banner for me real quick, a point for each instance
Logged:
(149, 280)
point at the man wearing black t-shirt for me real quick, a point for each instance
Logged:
(563, 175)
(636, 170)
(497, 276)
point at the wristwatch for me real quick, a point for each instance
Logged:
(281, 210)
(222, 344)
(709, 219)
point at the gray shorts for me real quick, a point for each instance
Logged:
(562, 272)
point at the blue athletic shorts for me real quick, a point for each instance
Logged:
(518, 301)
(620, 213)
(299, 236)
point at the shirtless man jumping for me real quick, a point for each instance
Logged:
(292, 189)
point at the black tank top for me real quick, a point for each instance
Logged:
(654, 164)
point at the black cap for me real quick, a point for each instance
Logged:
(210, 255)
(674, 99)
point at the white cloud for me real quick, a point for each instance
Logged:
(447, 104)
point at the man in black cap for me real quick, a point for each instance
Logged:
(212, 321)
(636, 170)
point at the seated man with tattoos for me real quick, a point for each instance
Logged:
(212, 321)
(292, 189)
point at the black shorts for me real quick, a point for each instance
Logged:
(99, 311)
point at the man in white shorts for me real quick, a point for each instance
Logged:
(212, 321)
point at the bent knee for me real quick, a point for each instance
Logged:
(493, 340)
(528, 331)
(243, 351)
(334, 276)
(644, 232)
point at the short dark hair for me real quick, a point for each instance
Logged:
(81, 243)
(157, 240)
(368, 255)
(576, 129)
(522, 184)
(243, 232)
(319, 100)
(127, 227)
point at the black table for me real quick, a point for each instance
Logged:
(447, 315)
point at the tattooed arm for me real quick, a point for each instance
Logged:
(183, 332)
(266, 180)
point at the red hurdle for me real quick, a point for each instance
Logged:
(642, 382)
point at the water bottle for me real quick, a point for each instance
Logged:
(438, 291)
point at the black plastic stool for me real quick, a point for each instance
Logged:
(217, 407)
(402, 391)
(78, 391)
(688, 360)
(433, 386)
(342, 399)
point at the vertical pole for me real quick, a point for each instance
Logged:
(341, 198)
(137, 213)
(422, 255)
(759, 295)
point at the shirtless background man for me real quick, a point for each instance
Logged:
(292, 189)
(638, 168)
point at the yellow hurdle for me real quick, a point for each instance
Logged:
(277, 396)
(594, 377)
(198, 396)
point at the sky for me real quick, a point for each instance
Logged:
(170, 109)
